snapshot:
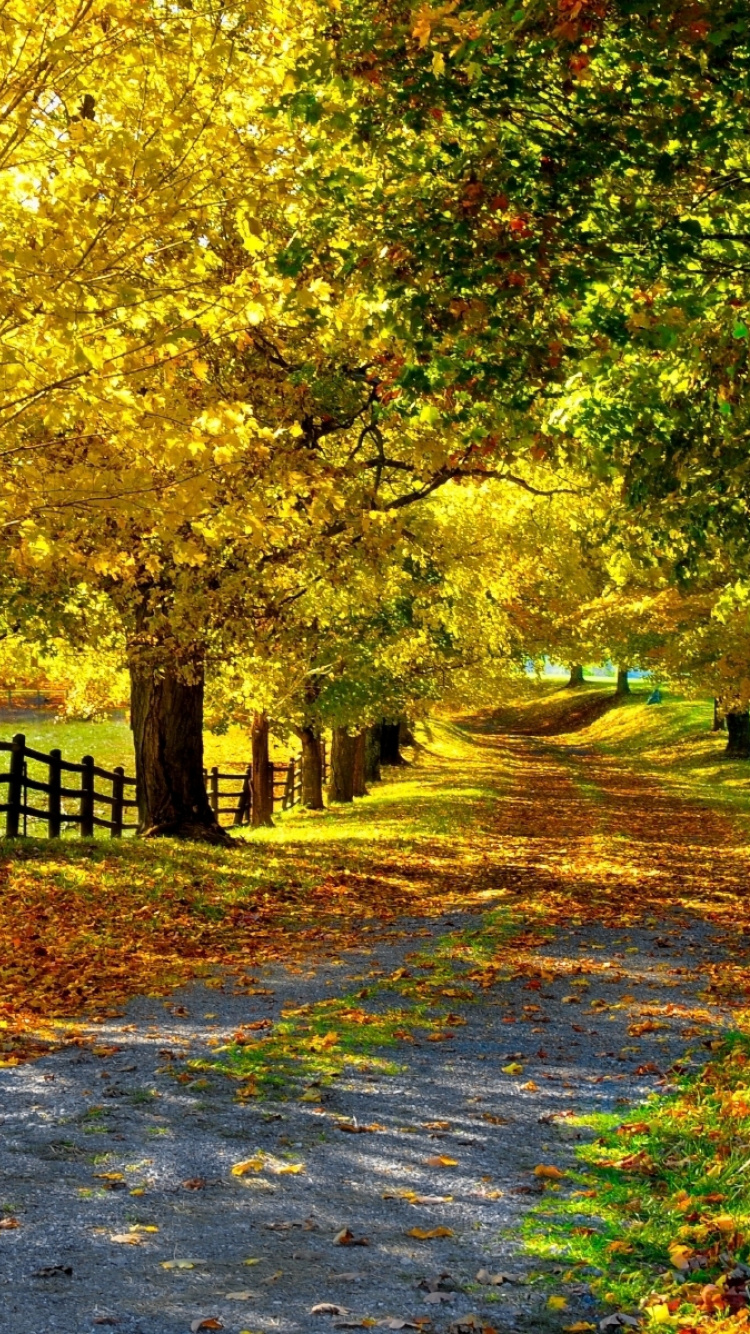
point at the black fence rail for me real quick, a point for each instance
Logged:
(95, 809)
(86, 798)
(284, 782)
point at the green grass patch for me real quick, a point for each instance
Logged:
(314, 1043)
(660, 1216)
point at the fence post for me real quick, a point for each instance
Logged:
(118, 793)
(87, 797)
(215, 791)
(242, 813)
(54, 809)
(289, 786)
(15, 786)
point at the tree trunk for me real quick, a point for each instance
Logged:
(738, 727)
(341, 781)
(372, 754)
(623, 685)
(359, 788)
(576, 677)
(389, 744)
(261, 813)
(719, 723)
(312, 770)
(405, 735)
(166, 714)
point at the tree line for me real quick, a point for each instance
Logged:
(320, 329)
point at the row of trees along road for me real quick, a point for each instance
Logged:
(274, 279)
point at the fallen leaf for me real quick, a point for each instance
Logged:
(195, 1183)
(580, 1327)
(530, 1087)
(557, 1304)
(182, 1264)
(347, 1238)
(548, 1173)
(251, 1261)
(435, 1298)
(255, 1164)
(243, 1296)
(329, 1308)
(515, 1068)
(209, 1323)
(428, 1234)
(440, 1160)
(680, 1255)
(127, 1238)
(7, 1224)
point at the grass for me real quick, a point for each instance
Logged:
(111, 743)
(312, 1044)
(86, 924)
(661, 1213)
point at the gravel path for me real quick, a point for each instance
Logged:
(94, 1250)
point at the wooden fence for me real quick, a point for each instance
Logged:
(95, 809)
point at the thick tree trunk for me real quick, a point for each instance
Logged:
(719, 723)
(372, 754)
(576, 677)
(359, 787)
(341, 781)
(738, 727)
(405, 735)
(262, 783)
(312, 770)
(389, 744)
(623, 685)
(166, 715)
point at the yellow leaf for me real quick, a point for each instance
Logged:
(619, 1248)
(556, 1304)
(438, 64)
(427, 1234)
(255, 1164)
(322, 1041)
(110, 1176)
(580, 1327)
(660, 1314)
(199, 369)
(549, 1173)
(289, 1169)
(513, 1069)
(680, 1255)
(530, 1087)
(440, 1160)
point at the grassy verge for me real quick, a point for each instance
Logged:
(85, 925)
(660, 1219)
